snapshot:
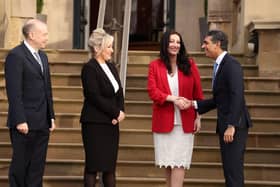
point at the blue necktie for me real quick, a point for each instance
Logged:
(39, 60)
(214, 73)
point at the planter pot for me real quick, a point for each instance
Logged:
(42, 17)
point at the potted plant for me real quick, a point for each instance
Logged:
(39, 7)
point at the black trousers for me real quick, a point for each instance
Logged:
(233, 158)
(28, 158)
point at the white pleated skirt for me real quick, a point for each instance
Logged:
(173, 149)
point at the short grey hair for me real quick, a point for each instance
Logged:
(98, 41)
(29, 25)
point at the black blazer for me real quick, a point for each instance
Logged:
(101, 103)
(28, 89)
(228, 96)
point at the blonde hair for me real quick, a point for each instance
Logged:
(98, 41)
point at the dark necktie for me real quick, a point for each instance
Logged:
(214, 73)
(39, 60)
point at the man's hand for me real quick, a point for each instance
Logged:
(229, 133)
(182, 103)
(53, 126)
(22, 128)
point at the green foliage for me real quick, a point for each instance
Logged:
(40, 4)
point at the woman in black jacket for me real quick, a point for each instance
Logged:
(102, 110)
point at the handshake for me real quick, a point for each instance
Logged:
(181, 102)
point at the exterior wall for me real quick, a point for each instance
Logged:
(3, 22)
(13, 14)
(60, 23)
(252, 10)
(187, 22)
(220, 16)
(260, 9)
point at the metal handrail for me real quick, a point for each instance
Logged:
(101, 13)
(125, 40)
(125, 36)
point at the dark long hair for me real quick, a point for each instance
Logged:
(182, 57)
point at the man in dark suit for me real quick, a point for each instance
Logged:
(228, 98)
(31, 115)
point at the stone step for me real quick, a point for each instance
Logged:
(77, 181)
(208, 123)
(140, 81)
(63, 120)
(145, 57)
(249, 70)
(66, 67)
(255, 110)
(146, 152)
(145, 107)
(263, 172)
(143, 122)
(250, 83)
(136, 56)
(72, 66)
(58, 79)
(252, 96)
(59, 92)
(69, 66)
(204, 69)
(65, 55)
(57, 54)
(145, 137)
(141, 94)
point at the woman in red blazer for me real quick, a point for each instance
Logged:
(174, 79)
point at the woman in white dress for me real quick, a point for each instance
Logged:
(174, 79)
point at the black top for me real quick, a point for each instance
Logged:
(101, 103)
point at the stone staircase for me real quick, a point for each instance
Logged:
(135, 167)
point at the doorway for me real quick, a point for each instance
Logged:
(149, 19)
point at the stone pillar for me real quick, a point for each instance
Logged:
(220, 16)
(20, 11)
(3, 22)
(187, 17)
(269, 45)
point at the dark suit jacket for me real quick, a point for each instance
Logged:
(228, 96)
(101, 103)
(28, 89)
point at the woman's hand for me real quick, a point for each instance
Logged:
(115, 122)
(23, 128)
(120, 118)
(182, 103)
